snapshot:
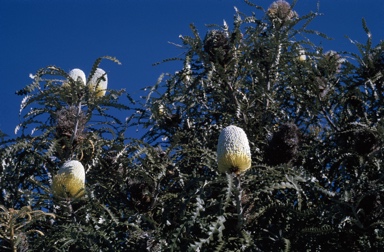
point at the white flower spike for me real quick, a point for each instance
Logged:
(70, 180)
(302, 57)
(77, 75)
(233, 151)
(99, 82)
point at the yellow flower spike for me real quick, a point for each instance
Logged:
(99, 82)
(161, 109)
(233, 151)
(302, 57)
(70, 180)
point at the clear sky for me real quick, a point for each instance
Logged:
(74, 33)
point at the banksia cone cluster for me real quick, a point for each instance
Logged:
(70, 180)
(233, 151)
(216, 44)
(283, 146)
(281, 11)
(99, 82)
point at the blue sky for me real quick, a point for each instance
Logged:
(73, 34)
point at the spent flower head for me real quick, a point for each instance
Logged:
(281, 11)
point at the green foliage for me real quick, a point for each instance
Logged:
(313, 123)
(15, 226)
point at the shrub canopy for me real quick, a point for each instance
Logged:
(312, 118)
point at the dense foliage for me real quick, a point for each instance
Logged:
(312, 118)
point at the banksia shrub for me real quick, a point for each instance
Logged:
(99, 82)
(70, 180)
(283, 146)
(233, 151)
(216, 44)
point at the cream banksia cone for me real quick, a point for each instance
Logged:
(99, 82)
(302, 57)
(77, 75)
(233, 152)
(70, 180)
